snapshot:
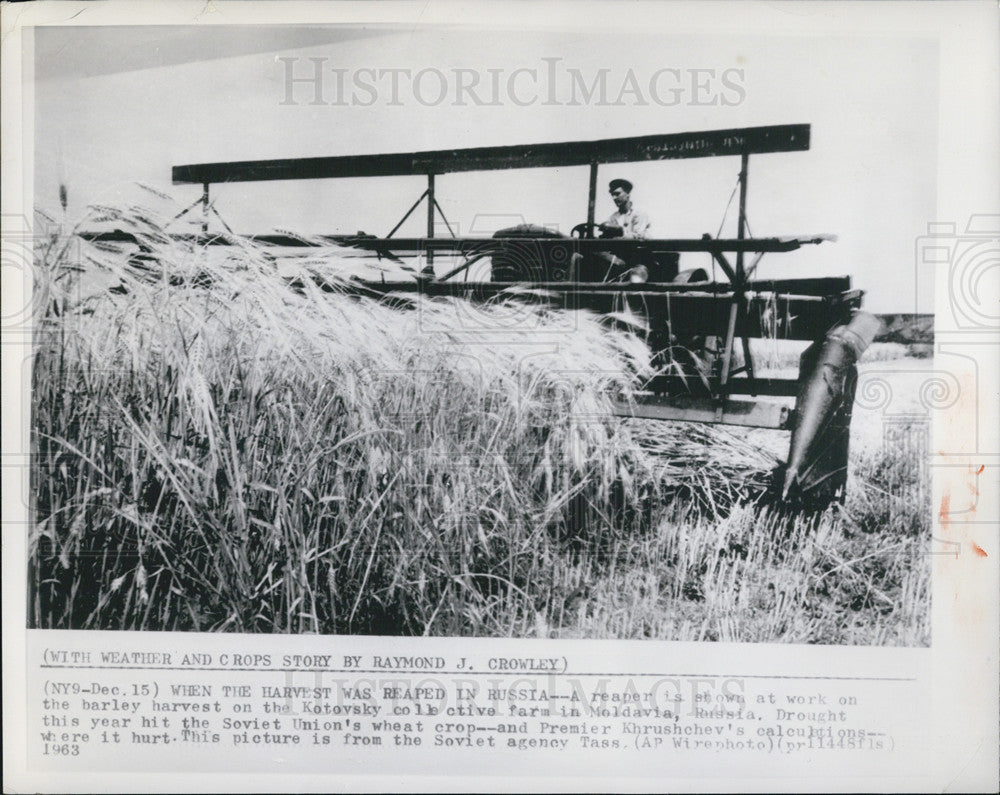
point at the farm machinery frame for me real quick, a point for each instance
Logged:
(683, 311)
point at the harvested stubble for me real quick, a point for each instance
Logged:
(214, 450)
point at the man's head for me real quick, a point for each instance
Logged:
(620, 190)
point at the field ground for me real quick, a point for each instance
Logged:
(222, 453)
(857, 574)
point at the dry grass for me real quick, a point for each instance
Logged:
(212, 450)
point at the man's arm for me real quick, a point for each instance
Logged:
(613, 227)
(640, 226)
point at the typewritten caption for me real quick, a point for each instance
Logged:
(160, 707)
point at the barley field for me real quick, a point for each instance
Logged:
(216, 450)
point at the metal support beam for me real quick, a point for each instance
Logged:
(186, 210)
(749, 272)
(747, 355)
(738, 283)
(444, 218)
(741, 275)
(591, 200)
(613, 246)
(748, 413)
(431, 201)
(772, 387)
(727, 355)
(727, 351)
(708, 143)
(726, 267)
(204, 208)
(408, 214)
(741, 230)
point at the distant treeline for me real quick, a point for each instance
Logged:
(907, 329)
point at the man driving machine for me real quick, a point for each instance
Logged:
(627, 222)
(519, 263)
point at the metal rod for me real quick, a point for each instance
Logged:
(726, 267)
(444, 218)
(408, 214)
(576, 291)
(727, 352)
(204, 208)
(468, 244)
(221, 220)
(463, 267)
(613, 245)
(772, 387)
(748, 413)
(186, 210)
(736, 309)
(742, 226)
(430, 216)
(747, 355)
(753, 265)
(591, 200)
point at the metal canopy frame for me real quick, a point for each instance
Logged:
(739, 296)
(671, 146)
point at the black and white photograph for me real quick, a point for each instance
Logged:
(493, 339)
(365, 331)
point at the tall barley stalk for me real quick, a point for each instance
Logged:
(215, 450)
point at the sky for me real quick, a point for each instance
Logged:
(120, 106)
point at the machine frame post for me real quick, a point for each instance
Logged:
(431, 203)
(591, 200)
(204, 208)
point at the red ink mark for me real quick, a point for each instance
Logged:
(943, 512)
(973, 484)
(978, 549)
